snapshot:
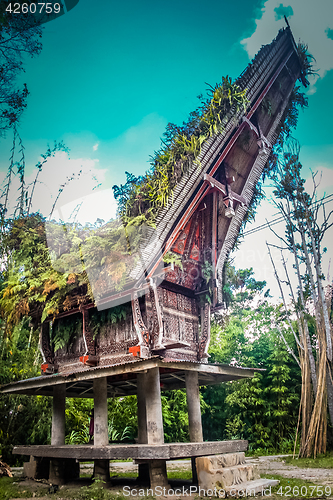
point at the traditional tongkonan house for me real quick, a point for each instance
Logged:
(168, 294)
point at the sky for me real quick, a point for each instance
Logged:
(112, 75)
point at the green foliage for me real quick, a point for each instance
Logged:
(100, 319)
(240, 288)
(24, 419)
(306, 60)
(172, 258)
(263, 409)
(64, 332)
(19, 36)
(116, 436)
(122, 416)
(321, 461)
(31, 284)
(181, 147)
(49, 264)
(207, 270)
(78, 413)
(94, 491)
(10, 489)
(76, 437)
(175, 417)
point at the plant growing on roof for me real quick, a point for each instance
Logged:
(181, 147)
(172, 258)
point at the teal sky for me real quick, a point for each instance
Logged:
(112, 75)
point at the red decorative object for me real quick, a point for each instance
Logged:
(135, 350)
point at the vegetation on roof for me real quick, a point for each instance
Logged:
(142, 197)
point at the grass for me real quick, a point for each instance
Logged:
(180, 474)
(296, 488)
(320, 462)
(174, 474)
(10, 488)
(292, 488)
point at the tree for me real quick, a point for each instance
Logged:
(262, 409)
(20, 35)
(24, 419)
(306, 225)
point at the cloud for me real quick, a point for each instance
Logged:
(86, 182)
(309, 24)
(95, 147)
(65, 181)
(99, 204)
(329, 33)
(282, 11)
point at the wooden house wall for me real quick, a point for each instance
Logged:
(113, 341)
(180, 324)
(67, 359)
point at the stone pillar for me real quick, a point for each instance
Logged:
(150, 424)
(194, 413)
(58, 415)
(101, 467)
(142, 425)
(57, 466)
(155, 432)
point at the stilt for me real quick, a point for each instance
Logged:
(155, 432)
(101, 467)
(142, 425)
(57, 466)
(194, 413)
(150, 423)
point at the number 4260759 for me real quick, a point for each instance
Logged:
(32, 8)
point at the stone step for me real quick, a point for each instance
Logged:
(227, 460)
(251, 488)
(238, 474)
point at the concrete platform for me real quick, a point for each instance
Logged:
(122, 378)
(144, 452)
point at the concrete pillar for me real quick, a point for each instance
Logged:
(194, 413)
(100, 412)
(142, 425)
(101, 467)
(150, 425)
(58, 415)
(57, 466)
(155, 432)
(142, 411)
(193, 406)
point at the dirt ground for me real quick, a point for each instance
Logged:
(276, 465)
(267, 465)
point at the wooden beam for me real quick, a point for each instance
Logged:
(139, 451)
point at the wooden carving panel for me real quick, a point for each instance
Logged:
(205, 333)
(141, 329)
(45, 345)
(180, 326)
(180, 244)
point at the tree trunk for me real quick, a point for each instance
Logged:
(330, 392)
